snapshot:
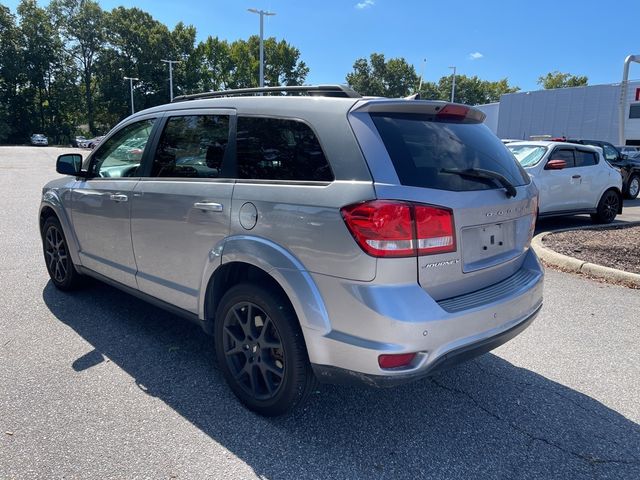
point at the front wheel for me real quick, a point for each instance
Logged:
(261, 350)
(634, 187)
(56, 256)
(608, 207)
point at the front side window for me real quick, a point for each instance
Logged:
(192, 146)
(564, 154)
(610, 153)
(277, 149)
(121, 154)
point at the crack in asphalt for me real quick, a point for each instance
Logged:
(546, 389)
(593, 461)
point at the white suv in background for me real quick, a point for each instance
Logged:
(571, 179)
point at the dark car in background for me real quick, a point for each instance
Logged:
(629, 166)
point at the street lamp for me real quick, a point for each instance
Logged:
(424, 65)
(131, 79)
(262, 14)
(171, 62)
(453, 84)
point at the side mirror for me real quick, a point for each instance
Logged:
(624, 156)
(555, 165)
(69, 164)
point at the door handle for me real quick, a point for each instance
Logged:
(118, 197)
(208, 206)
(576, 176)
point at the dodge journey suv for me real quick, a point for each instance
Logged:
(317, 235)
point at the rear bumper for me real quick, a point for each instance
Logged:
(369, 320)
(335, 375)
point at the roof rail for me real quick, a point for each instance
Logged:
(311, 90)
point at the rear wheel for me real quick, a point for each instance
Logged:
(56, 256)
(261, 350)
(608, 207)
(634, 187)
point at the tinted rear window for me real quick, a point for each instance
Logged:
(279, 149)
(424, 152)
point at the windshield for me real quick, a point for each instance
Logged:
(528, 155)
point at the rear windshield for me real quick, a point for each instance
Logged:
(427, 153)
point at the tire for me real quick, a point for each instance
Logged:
(261, 350)
(62, 272)
(608, 207)
(633, 188)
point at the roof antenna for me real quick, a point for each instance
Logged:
(415, 96)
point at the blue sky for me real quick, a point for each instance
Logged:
(489, 38)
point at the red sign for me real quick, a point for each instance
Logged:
(637, 94)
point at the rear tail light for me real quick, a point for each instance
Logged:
(396, 360)
(389, 228)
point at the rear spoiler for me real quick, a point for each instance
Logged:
(440, 110)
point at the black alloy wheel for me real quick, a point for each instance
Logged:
(56, 255)
(253, 350)
(608, 207)
(261, 351)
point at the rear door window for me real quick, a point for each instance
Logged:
(585, 159)
(192, 146)
(279, 149)
(428, 153)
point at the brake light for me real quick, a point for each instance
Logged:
(389, 228)
(434, 230)
(454, 111)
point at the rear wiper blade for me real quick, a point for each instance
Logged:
(488, 174)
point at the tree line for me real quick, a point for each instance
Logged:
(62, 68)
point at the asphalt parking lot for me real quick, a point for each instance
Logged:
(97, 385)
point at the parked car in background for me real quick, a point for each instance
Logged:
(78, 141)
(93, 143)
(39, 139)
(572, 179)
(318, 236)
(629, 166)
(629, 150)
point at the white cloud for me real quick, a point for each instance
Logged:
(475, 56)
(365, 4)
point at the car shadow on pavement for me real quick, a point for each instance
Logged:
(484, 419)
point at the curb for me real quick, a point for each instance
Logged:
(571, 264)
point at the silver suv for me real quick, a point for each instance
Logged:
(316, 234)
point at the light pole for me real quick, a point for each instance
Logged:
(453, 84)
(171, 62)
(262, 14)
(131, 79)
(424, 65)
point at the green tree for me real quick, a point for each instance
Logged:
(12, 112)
(469, 90)
(40, 51)
(82, 25)
(377, 77)
(558, 79)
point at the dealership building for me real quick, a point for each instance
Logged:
(591, 112)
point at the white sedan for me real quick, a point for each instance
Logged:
(571, 179)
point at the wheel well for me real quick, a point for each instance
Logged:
(229, 275)
(46, 213)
